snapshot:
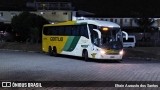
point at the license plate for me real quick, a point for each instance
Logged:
(111, 56)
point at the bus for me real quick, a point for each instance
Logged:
(93, 39)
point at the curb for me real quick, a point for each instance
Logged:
(142, 58)
(20, 50)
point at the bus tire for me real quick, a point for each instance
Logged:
(85, 55)
(54, 51)
(50, 51)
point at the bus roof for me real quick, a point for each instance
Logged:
(62, 23)
(95, 22)
(99, 23)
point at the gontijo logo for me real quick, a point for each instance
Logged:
(56, 39)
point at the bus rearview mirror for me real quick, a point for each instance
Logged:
(126, 34)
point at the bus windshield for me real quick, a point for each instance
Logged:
(111, 38)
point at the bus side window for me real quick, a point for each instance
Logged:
(61, 31)
(53, 31)
(50, 31)
(84, 31)
(75, 31)
(45, 31)
(94, 38)
(68, 31)
(94, 35)
(91, 27)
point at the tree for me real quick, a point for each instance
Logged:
(144, 23)
(26, 25)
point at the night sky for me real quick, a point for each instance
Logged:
(121, 8)
(105, 8)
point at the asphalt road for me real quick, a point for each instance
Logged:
(31, 66)
(39, 66)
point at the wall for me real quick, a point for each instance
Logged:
(6, 16)
(51, 15)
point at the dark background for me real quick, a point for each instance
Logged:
(102, 8)
(121, 8)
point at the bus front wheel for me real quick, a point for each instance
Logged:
(85, 55)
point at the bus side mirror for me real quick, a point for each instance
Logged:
(126, 34)
(99, 33)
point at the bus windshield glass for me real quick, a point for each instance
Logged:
(111, 37)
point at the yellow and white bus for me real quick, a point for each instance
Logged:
(84, 38)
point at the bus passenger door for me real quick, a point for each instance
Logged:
(95, 42)
(95, 37)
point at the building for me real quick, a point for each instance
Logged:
(52, 11)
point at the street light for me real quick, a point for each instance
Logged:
(42, 13)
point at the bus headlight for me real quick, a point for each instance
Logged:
(121, 52)
(102, 52)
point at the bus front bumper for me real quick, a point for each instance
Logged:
(111, 57)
